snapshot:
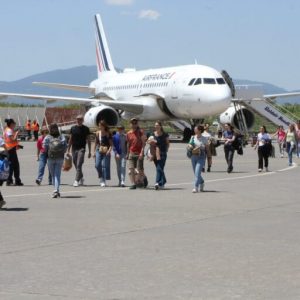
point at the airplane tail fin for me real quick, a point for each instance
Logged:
(104, 62)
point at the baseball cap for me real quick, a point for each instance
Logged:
(133, 120)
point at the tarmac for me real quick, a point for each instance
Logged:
(239, 239)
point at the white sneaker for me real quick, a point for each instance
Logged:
(75, 183)
(259, 170)
(81, 181)
(195, 190)
(102, 184)
(122, 184)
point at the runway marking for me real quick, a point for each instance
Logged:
(109, 189)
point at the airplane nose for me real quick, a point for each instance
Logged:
(224, 95)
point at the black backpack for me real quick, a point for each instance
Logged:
(56, 148)
(237, 144)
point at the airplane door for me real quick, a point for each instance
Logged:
(174, 92)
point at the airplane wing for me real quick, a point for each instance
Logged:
(284, 95)
(72, 87)
(135, 107)
(255, 92)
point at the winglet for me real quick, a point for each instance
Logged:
(104, 62)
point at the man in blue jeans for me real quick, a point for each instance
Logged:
(229, 137)
(120, 150)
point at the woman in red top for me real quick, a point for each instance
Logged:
(42, 158)
(280, 134)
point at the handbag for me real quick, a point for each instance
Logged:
(67, 164)
(103, 149)
(189, 150)
(196, 151)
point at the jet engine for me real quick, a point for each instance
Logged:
(102, 112)
(230, 116)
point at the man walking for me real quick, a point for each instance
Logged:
(135, 152)
(78, 140)
(120, 150)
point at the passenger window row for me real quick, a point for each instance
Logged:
(135, 86)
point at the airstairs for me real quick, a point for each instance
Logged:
(252, 98)
(180, 124)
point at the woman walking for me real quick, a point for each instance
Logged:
(280, 135)
(264, 147)
(103, 147)
(290, 139)
(55, 146)
(161, 144)
(12, 145)
(42, 158)
(199, 144)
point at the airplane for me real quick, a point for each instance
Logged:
(187, 92)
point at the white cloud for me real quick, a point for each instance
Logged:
(119, 2)
(149, 14)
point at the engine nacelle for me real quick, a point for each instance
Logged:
(102, 112)
(230, 116)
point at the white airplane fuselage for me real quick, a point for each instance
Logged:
(188, 92)
(179, 98)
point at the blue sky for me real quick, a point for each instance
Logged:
(251, 39)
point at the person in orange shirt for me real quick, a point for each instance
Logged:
(28, 129)
(35, 128)
(11, 145)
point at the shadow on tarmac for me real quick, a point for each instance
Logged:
(72, 197)
(233, 172)
(14, 209)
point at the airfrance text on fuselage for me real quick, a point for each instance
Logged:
(162, 76)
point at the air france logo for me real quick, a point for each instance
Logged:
(162, 76)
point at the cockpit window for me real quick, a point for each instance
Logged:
(192, 81)
(198, 81)
(209, 81)
(220, 81)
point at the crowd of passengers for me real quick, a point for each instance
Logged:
(128, 149)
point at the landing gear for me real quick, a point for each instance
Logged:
(187, 133)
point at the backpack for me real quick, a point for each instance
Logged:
(237, 144)
(4, 169)
(56, 148)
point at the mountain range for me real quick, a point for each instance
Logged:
(83, 75)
